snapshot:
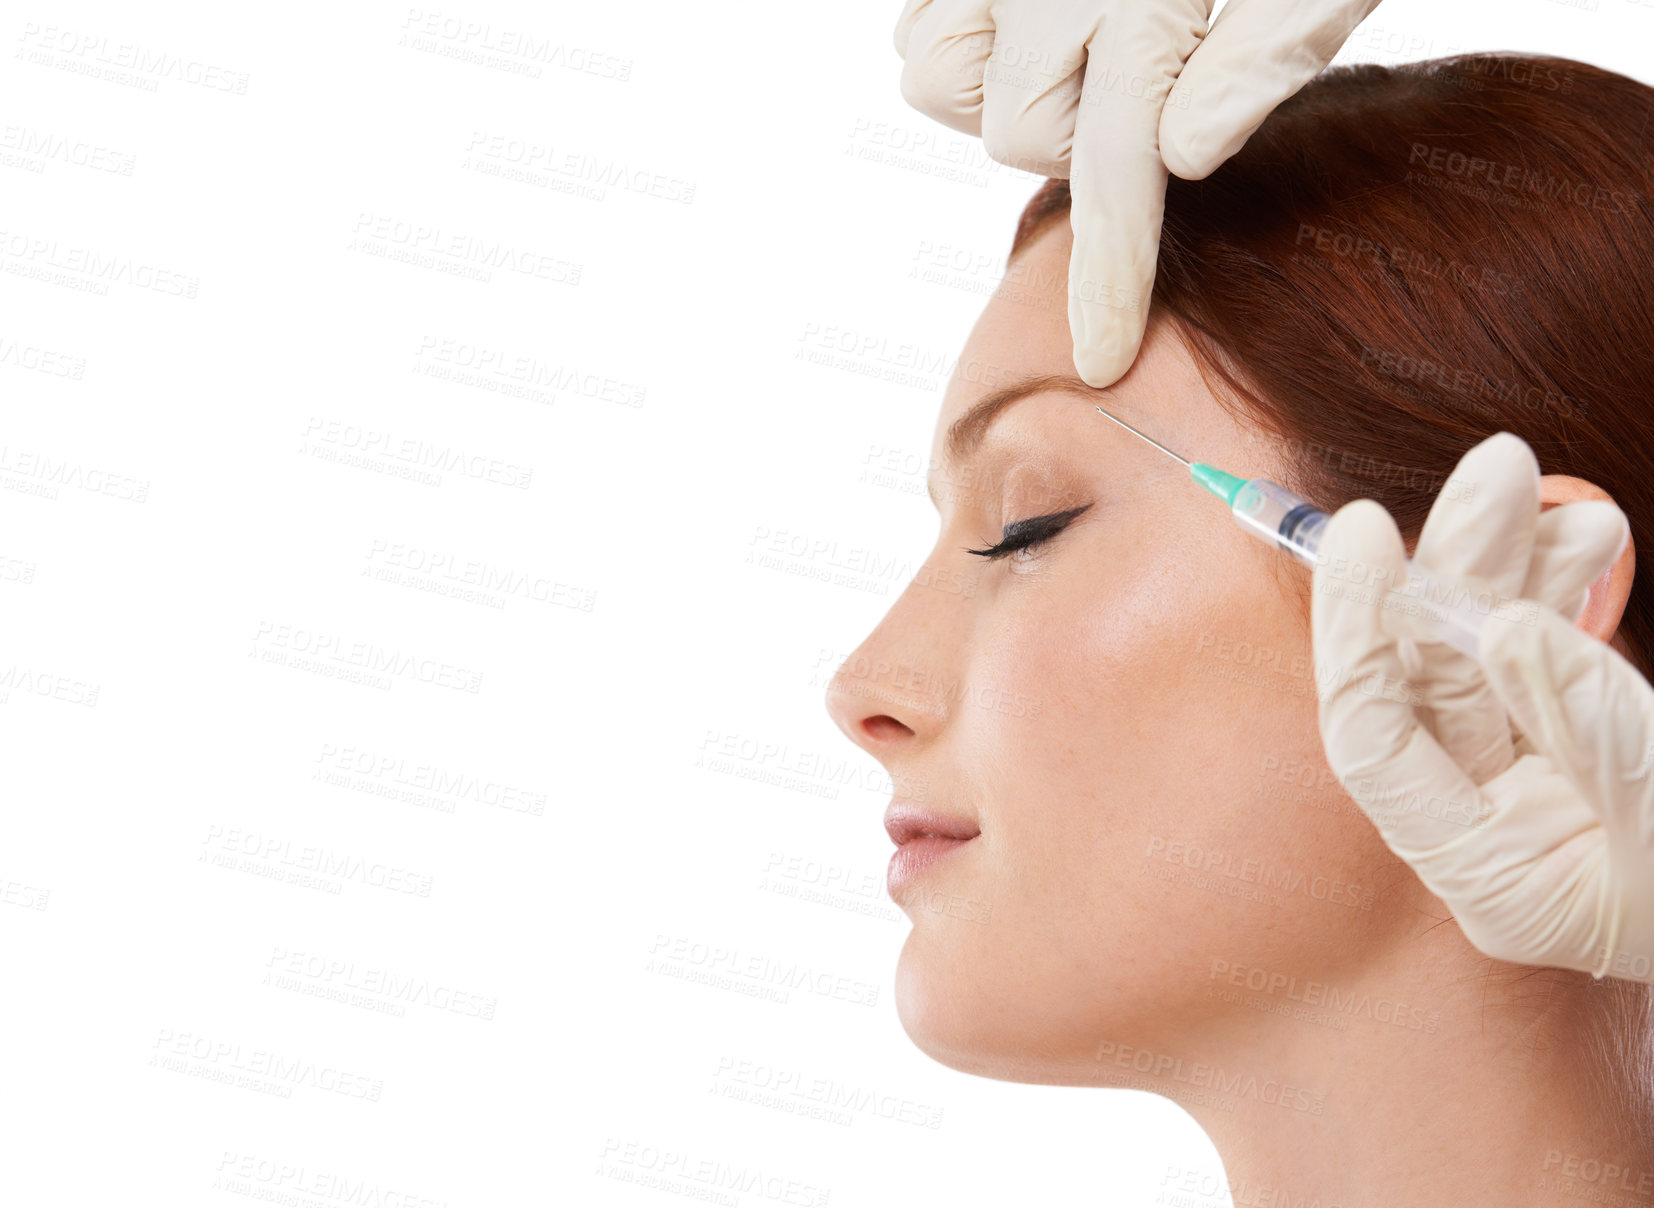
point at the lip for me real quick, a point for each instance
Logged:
(905, 821)
(922, 837)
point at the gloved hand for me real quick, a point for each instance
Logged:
(1011, 72)
(1539, 835)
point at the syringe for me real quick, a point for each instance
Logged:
(1272, 513)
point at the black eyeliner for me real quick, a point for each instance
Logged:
(1020, 534)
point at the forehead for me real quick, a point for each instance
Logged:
(1023, 330)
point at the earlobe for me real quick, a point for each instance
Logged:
(1605, 601)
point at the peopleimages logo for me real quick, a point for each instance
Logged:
(1324, 995)
(33, 255)
(1516, 179)
(1226, 1083)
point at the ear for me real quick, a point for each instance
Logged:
(1605, 603)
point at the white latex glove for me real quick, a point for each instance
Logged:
(1010, 71)
(1539, 837)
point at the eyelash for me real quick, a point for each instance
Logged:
(1026, 534)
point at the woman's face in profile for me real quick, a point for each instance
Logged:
(1127, 713)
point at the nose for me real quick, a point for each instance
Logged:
(893, 695)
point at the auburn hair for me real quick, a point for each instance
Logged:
(1403, 260)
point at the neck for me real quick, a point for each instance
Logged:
(1449, 1079)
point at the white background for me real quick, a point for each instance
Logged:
(195, 554)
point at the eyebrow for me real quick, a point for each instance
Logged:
(967, 432)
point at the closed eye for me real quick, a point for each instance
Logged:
(1025, 534)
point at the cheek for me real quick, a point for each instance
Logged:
(1104, 654)
(1138, 708)
(1089, 668)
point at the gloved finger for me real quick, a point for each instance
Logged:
(1117, 180)
(947, 52)
(1481, 526)
(1031, 88)
(1574, 545)
(1539, 848)
(1418, 797)
(1588, 710)
(905, 23)
(1258, 53)
(1483, 520)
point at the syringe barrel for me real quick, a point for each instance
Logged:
(1286, 519)
(1270, 511)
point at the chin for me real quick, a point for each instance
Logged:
(995, 1022)
(940, 1017)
